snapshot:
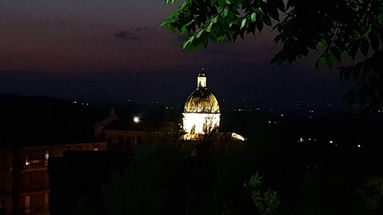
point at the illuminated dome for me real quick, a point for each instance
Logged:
(201, 111)
(201, 101)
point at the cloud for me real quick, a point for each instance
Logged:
(125, 35)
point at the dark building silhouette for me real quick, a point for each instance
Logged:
(78, 179)
(24, 179)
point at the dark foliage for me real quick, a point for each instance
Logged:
(337, 30)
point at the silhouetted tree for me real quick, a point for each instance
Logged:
(337, 30)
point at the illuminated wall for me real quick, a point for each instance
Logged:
(200, 123)
(201, 82)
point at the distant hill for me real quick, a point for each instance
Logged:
(31, 120)
(41, 120)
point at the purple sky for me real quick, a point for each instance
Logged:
(86, 48)
(93, 36)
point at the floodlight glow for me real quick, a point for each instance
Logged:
(136, 119)
(200, 123)
(238, 137)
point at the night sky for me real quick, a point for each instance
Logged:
(116, 51)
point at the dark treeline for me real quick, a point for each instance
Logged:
(168, 176)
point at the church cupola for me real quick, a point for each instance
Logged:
(201, 80)
(201, 110)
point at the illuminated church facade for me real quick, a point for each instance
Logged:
(201, 111)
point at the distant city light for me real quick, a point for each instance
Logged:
(136, 119)
(46, 155)
(331, 142)
(358, 145)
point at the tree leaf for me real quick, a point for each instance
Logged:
(208, 29)
(272, 11)
(259, 24)
(169, 1)
(187, 44)
(221, 2)
(251, 28)
(253, 17)
(225, 12)
(243, 23)
(321, 44)
(214, 20)
(320, 62)
(266, 19)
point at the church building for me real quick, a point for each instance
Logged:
(201, 111)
